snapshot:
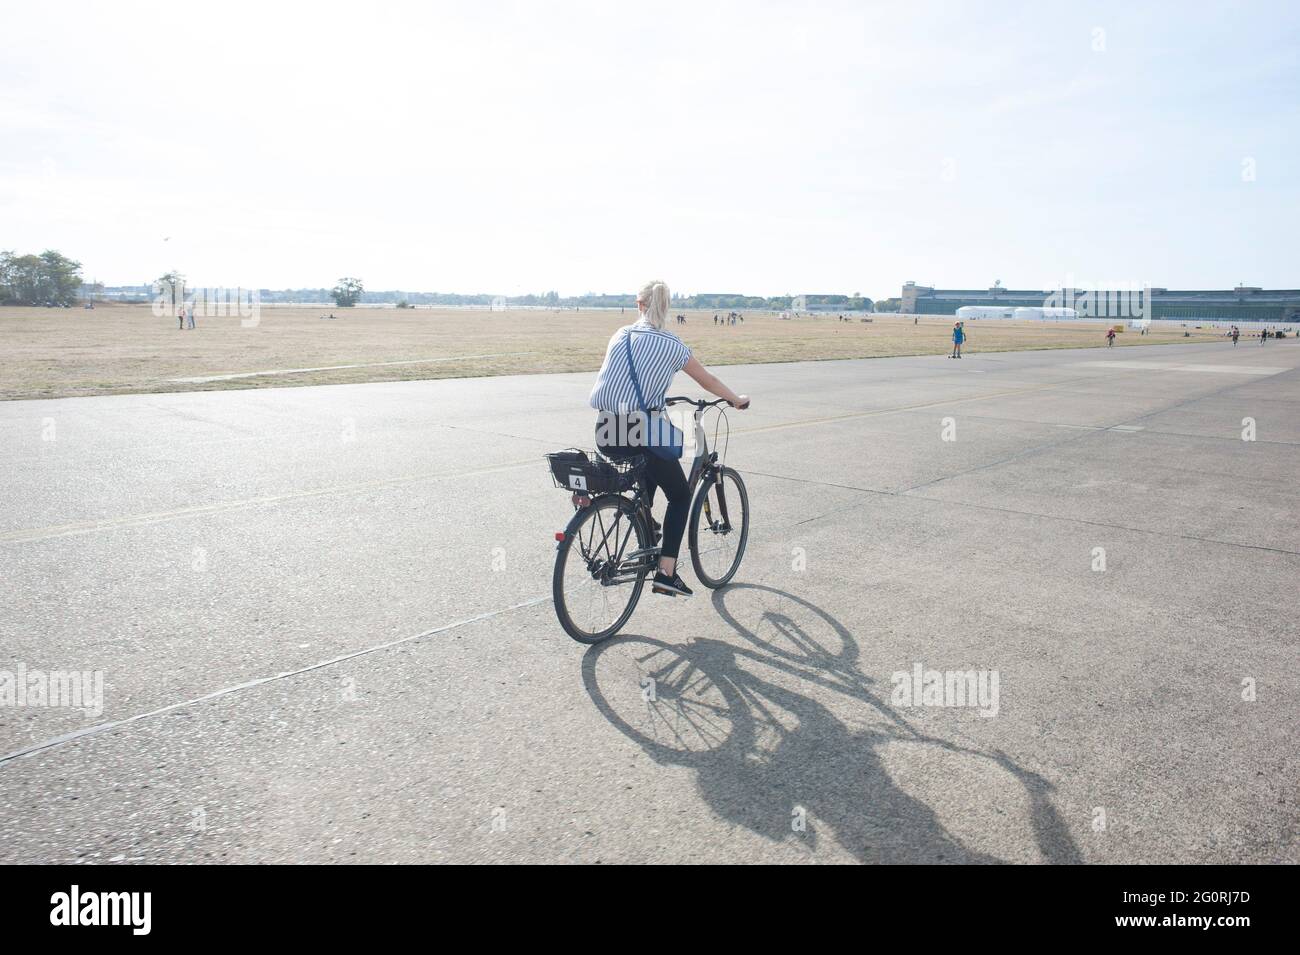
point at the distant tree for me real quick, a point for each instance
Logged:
(171, 287)
(347, 293)
(63, 276)
(50, 278)
(403, 304)
(14, 277)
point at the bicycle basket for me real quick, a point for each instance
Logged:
(591, 473)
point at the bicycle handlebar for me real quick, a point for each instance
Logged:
(698, 402)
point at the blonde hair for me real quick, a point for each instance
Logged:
(656, 298)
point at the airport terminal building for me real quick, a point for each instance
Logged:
(1241, 305)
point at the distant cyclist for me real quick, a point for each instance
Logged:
(657, 355)
(1110, 338)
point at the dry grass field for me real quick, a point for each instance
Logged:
(117, 349)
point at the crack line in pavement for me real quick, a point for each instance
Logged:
(1026, 452)
(830, 419)
(1157, 431)
(261, 681)
(67, 530)
(907, 492)
(905, 495)
(134, 520)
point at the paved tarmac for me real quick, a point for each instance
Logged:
(322, 619)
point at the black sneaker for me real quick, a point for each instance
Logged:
(671, 586)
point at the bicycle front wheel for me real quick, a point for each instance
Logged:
(719, 528)
(600, 569)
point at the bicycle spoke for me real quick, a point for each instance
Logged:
(717, 549)
(720, 529)
(592, 589)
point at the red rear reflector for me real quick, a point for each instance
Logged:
(559, 535)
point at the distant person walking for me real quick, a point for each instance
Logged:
(180, 318)
(1236, 333)
(958, 339)
(1263, 335)
(1110, 338)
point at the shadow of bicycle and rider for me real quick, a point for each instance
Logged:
(789, 739)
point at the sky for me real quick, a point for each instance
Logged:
(763, 148)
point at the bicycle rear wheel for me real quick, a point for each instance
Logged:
(600, 569)
(719, 528)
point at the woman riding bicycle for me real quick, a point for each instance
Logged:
(622, 393)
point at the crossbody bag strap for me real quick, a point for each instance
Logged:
(631, 367)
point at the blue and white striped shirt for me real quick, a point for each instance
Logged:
(658, 355)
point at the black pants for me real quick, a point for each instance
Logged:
(667, 475)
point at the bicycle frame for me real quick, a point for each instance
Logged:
(704, 471)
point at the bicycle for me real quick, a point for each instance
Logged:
(598, 579)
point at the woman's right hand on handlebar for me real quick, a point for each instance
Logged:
(742, 404)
